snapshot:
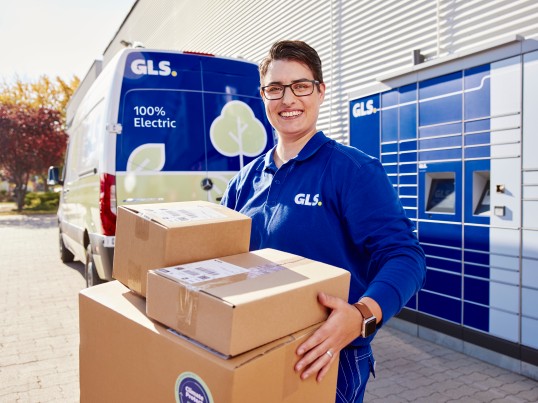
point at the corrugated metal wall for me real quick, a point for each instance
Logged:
(357, 40)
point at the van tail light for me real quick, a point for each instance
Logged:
(107, 204)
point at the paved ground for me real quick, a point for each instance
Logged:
(39, 337)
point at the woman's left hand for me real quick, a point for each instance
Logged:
(320, 350)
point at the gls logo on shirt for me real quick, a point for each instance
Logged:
(304, 199)
(146, 67)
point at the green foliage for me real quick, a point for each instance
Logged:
(41, 201)
(5, 196)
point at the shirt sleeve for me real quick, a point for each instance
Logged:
(229, 198)
(379, 227)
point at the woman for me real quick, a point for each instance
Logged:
(314, 197)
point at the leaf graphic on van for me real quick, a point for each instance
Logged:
(147, 157)
(237, 131)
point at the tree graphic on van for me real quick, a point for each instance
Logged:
(147, 157)
(237, 132)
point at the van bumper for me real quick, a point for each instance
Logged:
(103, 254)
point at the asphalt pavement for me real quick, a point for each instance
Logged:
(39, 336)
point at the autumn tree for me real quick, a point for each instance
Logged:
(32, 123)
(30, 139)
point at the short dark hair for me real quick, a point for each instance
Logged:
(298, 51)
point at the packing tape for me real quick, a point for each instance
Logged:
(187, 306)
(142, 229)
(134, 276)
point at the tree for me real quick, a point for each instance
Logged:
(30, 139)
(32, 123)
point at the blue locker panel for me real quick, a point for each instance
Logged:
(408, 93)
(408, 122)
(440, 99)
(442, 251)
(440, 142)
(440, 130)
(477, 139)
(477, 90)
(408, 168)
(477, 152)
(476, 238)
(412, 303)
(440, 233)
(389, 148)
(389, 158)
(408, 179)
(476, 316)
(389, 125)
(408, 190)
(408, 145)
(443, 283)
(476, 290)
(476, 257)
(390, 98)
(436, 155)
(408, 157)
(440, 306)
(476, 270)
(443, 264)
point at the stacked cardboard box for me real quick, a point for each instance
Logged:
(240, 302)
(219, 324)
(151, 236)
(127, 357)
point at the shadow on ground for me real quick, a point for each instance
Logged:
(29, 221)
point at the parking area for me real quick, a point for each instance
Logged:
(39, 336)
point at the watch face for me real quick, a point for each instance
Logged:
(369, 327)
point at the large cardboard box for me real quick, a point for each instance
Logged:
(151, 236)
(236, 303)
(126, 357)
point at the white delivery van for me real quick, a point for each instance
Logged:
(155, 126)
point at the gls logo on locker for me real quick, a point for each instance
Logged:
(304, 199)
(362, 109)
(146, 67)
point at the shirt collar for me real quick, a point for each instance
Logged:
(313, 145)
(310, 148)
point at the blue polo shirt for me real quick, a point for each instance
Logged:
(334, 204)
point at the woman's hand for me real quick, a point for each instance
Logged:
(320, 350)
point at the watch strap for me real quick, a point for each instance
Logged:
(364, 310)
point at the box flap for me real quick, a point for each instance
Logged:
(183, 214)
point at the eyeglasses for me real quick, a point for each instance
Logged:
(301, 88)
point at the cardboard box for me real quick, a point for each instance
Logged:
(237, 303)
(126, 357)
(151, 236)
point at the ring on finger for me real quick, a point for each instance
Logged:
(329, 353)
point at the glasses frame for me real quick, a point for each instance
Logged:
(314, 82)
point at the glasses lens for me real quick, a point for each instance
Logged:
(302, 88)
(273, 91)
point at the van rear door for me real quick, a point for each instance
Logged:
(189, 122)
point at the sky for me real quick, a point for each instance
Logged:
(56, 37)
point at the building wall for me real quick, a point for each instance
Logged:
(358, 41)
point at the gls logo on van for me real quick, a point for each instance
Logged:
(304, 199)
(146, 67)
(364, 109)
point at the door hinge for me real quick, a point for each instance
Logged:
(114, 128)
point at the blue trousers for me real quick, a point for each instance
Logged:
(356, 364)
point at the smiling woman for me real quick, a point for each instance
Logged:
(317, 198)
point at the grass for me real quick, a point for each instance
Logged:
(9, 208)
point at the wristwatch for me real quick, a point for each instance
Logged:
(369, 320)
